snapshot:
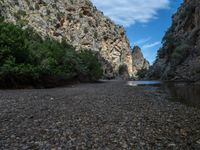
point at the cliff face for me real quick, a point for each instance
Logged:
(179, 58)
(76, 21)
(139, 62)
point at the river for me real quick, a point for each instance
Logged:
(184, 92)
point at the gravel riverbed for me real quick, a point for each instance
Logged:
(104, 116)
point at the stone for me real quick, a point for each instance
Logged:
(198, 141)
(171, 145)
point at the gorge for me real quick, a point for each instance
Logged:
(72, 78)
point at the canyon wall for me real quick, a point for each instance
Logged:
(76, 21)
(179, 58)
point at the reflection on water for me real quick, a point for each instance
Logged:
(186, 93)
(144, 83)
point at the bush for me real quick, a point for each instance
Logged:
(141, 73)
(180, 54)
(170, 43)
(92, 67)
(161, 53)
(123, 69)
(25, 58)
(188, 11)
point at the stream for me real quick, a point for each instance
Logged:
(184, 92)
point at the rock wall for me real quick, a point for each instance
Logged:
(76, 21)
(179, 58)
(139, 62)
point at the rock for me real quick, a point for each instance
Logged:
(79, 23)
(198, 141)
(179, 58)
(183, 132)
(197, 83)
(110, 115)
(124, 145)
(142, 143)
(139, 62)
(51, 98)
(171, 145)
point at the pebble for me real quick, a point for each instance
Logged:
(108, 115)
(198, 141)
(171, 145)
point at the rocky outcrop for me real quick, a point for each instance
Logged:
(76, 21)
(179, 58)
(139, 62)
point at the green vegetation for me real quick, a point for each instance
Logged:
(180, 53)
(169, 42)
(86, 30)
(81, 15)
(91, 67)
(141, 73)
(188, 11)
(123, 69)
(95, 35)
(71, 1)
(161, 53)
(27, 59)
(175, 50)
(19, 14)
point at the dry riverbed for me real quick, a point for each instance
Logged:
(109, 115)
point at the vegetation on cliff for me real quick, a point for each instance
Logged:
(142, 73)
(178, 59)
(78, 22)
(175, 49)
(27, 59)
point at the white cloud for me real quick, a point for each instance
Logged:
(142, 41)
(150, 45)
(128, 12)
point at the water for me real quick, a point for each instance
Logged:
(144, 83)
(186, 93)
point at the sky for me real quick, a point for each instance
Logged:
(145, 21)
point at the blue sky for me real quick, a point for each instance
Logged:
(145, 21)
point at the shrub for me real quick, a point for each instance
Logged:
(161, 53)
(188, 11)
(25, 58)
(141, 73)
(169, 43)
(123, 69)
(95, 35)
(91, 66)
(180, 54)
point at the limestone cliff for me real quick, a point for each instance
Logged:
(76, 21)
(179, 58)
(139, 62)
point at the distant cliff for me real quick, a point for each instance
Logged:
(76, 21)
(139, 62)
(179, 58)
